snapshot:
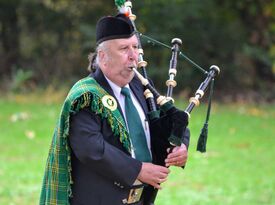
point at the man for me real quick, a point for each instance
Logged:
(100, 154)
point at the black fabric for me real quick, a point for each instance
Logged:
(100, 164)
(102, 170)
(114, 27)
(169, 128)
(179, 122)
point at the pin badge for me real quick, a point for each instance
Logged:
(109, 102)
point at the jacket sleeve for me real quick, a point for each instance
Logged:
(186, 137)
(95, 146)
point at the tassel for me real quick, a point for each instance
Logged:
(201, 146)
(119, 3)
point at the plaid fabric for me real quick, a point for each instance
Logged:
(56, 187)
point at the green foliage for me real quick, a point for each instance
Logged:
(54, 38)
(20, 80)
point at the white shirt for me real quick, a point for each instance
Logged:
(121, 100)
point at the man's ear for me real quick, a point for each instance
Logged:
(101, 56)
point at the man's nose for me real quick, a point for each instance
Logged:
(133, 55)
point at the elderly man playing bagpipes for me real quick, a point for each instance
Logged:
(108, 148)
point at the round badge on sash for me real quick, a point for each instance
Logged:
(109, 102)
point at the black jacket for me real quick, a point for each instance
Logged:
(102, 170)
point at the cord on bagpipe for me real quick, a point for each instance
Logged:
(201, 145)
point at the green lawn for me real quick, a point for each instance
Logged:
(237, 169)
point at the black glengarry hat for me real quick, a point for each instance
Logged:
(114, 27)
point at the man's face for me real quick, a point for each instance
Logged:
(117, 59)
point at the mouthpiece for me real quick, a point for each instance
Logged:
(143, 80)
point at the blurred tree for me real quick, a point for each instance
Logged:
(257, 19)
(9, 33)
(56, 35)
(48, 37)
(53, 38)
(236, 35)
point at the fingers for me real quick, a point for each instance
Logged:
(175, 162)
(153, 174)
(163, 170)
(177, 157)
(160, 176)
(157, 182)
(156, 185)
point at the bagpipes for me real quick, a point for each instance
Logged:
(168, 123)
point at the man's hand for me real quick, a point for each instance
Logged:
(177, 157)
(153, 174)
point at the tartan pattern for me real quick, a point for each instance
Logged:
(56, 187)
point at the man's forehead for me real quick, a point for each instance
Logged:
(123, 41)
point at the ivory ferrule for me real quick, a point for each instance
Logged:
(173, 71)
(140, 51)
(142, 64)
(148, 94)
(200, 93)
(162, 100)
(176, 41)
(172, 83)
(132, 17)
(194, 100)
(128, 4)
(170, 98)
(216, 68)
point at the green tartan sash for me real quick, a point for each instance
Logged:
(56, 187)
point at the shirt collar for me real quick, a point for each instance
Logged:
(116, 89)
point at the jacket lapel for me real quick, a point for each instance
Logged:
(99, 77)
(135, 86)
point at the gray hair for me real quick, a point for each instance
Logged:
(93, 57)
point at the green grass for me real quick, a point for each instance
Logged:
(238, 168)
(24, 145)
